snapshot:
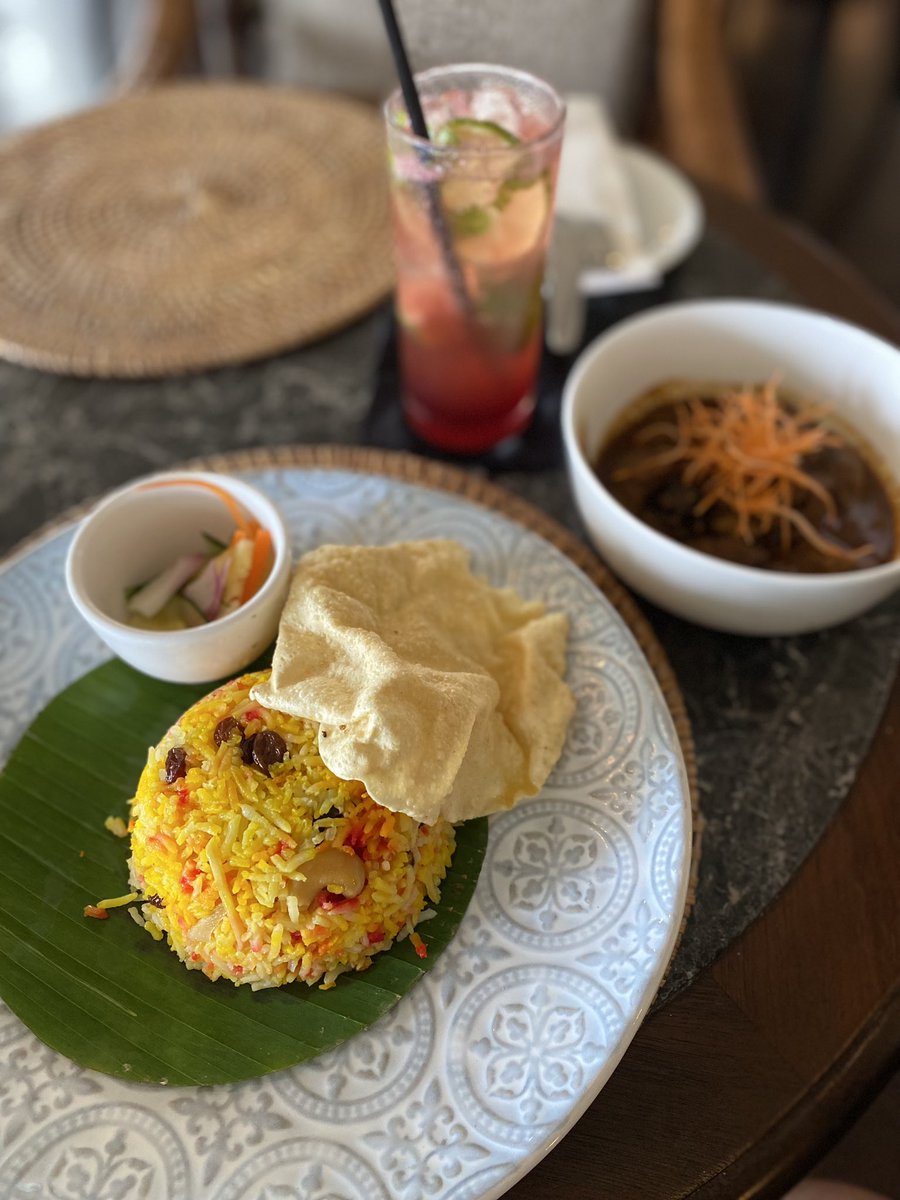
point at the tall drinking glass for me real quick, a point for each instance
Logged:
(472, 211)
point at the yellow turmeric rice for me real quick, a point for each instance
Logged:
(257, 864)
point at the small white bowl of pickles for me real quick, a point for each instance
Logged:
(738, 463)
(183, 575)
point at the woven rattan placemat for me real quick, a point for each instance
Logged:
(190, 226)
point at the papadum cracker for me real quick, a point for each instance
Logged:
(443, 695)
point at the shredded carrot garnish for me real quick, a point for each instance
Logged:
(259, 564)
(93, 910)
(241, 519)
(744, 449)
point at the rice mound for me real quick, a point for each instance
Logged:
(244, 865)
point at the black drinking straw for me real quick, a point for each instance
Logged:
(404, 71)
(420, 129)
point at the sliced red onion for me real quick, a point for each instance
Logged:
(149, 599)
(205, 592)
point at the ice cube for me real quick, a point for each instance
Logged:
(498, 105)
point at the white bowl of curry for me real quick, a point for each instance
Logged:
(738, 463)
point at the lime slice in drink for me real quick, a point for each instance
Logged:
(482, 135)
(475, 179)
(514, 226)
(495, 213)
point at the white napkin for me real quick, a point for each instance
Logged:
(597, 245)
(592, 184)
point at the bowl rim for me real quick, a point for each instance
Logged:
(777, 580)
(178, 637)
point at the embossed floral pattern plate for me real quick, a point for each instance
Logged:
(475, 1074)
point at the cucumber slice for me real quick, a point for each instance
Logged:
(176, 613)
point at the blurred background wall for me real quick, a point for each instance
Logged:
(820, 85)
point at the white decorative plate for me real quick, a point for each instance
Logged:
(496, 1053)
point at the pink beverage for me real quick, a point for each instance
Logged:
(472, 213)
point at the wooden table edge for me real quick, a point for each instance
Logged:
(866, 1046)
(745, 1075)
(840, 1025)
(864, 1042)
(795, 1144)
(813, 269)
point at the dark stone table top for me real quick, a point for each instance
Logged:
(781, 725)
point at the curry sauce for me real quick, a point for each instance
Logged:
(825, 510)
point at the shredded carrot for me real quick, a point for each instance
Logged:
(744, 449)
(419, 946)
(241, 519)
(259, 564)
(92, 910)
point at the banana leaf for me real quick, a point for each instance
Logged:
(103, 993)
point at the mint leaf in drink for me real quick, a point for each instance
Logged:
(471, 222)
(512, 310)
(520, 183)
